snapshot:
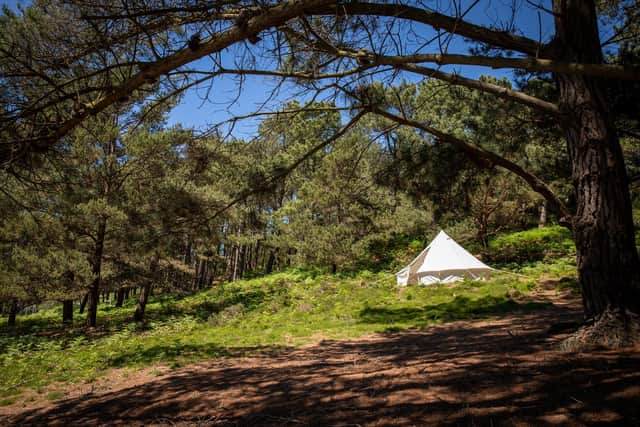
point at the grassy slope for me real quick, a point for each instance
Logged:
(284, 309)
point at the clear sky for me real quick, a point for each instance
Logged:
(194, 111)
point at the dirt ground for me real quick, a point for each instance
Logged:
(497, 372)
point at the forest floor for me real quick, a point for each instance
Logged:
(500, 371)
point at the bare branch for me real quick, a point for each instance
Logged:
(438, 21)
(528, 64)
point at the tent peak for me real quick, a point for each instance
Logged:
(443, 260)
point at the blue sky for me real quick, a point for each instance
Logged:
(193, 111)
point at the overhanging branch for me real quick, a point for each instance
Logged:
(535, 183)
(269, 18)
(528, 64)
(455, 79)
(500, 39)
(499, 91)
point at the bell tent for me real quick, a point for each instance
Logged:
(443, 261)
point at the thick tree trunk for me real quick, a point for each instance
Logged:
(94, 291)
(607, 257)
(67, 311)
(145, 291)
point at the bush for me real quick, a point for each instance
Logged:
(531, 245)
(226, 314)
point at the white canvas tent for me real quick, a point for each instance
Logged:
(443, 261)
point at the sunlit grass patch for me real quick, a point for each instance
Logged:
(267, 314)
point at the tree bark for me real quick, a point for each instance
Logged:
(603, 228)
(145, 291)
(94, 291)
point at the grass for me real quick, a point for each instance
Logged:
(537, 244)
(267, 314)
(235, 319)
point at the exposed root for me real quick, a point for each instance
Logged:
(613, 329)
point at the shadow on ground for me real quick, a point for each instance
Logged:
(460, 308)
(498, 372)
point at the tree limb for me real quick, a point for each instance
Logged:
(438, 21)
(492, 158)
(455, 79)
(271, 17)
(499, 91)
(528, 64)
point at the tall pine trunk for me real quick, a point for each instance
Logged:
(607, 257)
(145, 291)
(94, 291)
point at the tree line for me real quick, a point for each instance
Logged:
(126, 208)
(55, 81)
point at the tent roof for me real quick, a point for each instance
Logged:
(444, 254)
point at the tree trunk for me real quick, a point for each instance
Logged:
(271, 261)
(236, 255)
(13, 312)
(542, 221)
(145, 291)
(603, 228)
(120, 297)
(83, 303)
(67, 311)
(94, 291)
(253, 261)
(92, 303)
(241, 261)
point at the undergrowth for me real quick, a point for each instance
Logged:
(234, 319)
(261, 315)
